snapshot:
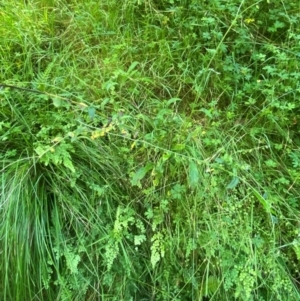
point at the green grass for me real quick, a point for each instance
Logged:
(155, 152)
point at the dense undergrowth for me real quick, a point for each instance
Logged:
(155, 153)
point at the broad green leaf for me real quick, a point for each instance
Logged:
(266, 204)
(132, 66)
(140, 174)
(172, 100)
(234, 182)
(193, 176)
(178, 147)
(91, 112)
(57, 102)
(207, 112)
(40, 150)
(166, 156)
(274, 219)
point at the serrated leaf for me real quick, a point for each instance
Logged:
(271, 163)
(139, 239)
(234, 182)
(193, 176)
(68, 163)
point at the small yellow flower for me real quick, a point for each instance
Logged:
(249, 20)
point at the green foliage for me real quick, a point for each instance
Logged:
(152, 152)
